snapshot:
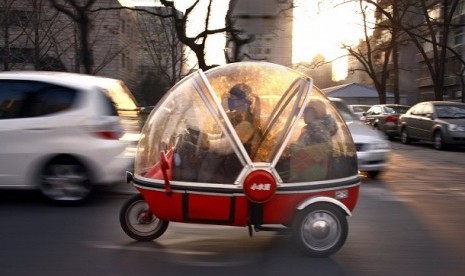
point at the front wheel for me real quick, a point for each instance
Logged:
(320, 230)
(438, 141)
(404, 138)
(138, 222)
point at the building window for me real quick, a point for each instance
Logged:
(18, 18)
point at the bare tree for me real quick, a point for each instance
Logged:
(47, 32)
(80, 15)
(30, 35)
(377, 53)
(196, 43)
(373, 56)
(430, 35)
(161, 46)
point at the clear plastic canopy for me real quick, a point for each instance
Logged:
(197, 127)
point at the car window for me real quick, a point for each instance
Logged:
(359, 108)
(56, 99)
(399, 109)
(412, 110)
(344, 111)
(376, 110)
(109, 107)
(427, 109)
(23, 99)
(450, 111)
(417, 109)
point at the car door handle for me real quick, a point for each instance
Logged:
(38, 129)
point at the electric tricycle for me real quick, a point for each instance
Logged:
(248, 144)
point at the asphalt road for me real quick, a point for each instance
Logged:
(407, 222)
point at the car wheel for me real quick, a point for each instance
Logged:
(404, 138)
(138, 222)
(320, 229)
(373, 174)
(65, 179)
(438, 141)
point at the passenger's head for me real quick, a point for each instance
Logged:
(239, 97)
(316, 109)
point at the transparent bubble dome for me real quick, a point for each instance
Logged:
(215, 127)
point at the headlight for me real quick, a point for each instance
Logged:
(379, 146)
(453, 127)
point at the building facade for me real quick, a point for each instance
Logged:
(35, 36)
(270, 24)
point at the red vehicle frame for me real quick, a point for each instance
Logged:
(265, 191)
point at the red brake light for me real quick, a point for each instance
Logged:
(393, 119)
(111, 135)
(105, 128)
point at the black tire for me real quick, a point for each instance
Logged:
(438, 140)
(320, 230)
(65, 180)
(404, 138)
(134, 221)
(373, 174)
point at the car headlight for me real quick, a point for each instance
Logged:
(453, 127)
(379, 146)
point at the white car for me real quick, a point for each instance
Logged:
(359, 109)
(372, 147)
(62, 133)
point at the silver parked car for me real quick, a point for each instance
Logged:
(372, 147)
(384, 117)
(359, 109)
(441, 122)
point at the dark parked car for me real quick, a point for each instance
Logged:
(440, 122)
(384, 117)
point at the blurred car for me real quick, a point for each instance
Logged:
(372, 147)
(358, 109)
(384, 117)
(440, 122)
(63, 133)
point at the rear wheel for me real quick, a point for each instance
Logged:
(320, 229)
(138, 222)
(65, 179)
(404, 138)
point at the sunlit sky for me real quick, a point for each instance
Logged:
(320, 26)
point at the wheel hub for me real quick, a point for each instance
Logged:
(320, 229)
